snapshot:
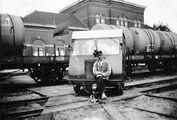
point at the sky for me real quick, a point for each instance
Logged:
(156, 12)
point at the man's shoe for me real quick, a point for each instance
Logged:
(93, 99)
(103, 96)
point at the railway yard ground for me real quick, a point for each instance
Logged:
(153, 97)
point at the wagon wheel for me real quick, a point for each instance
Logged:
(128, 70)
(119, 89)
(52, 77)
(37, 80)
(152, 67)
(77, 88)
(34, 75)
(59, 77)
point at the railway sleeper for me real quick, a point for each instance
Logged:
(23, 113)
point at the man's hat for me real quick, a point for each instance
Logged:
(97, 53)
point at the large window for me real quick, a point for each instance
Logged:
(122, 21)
(108, 46)
(103, 19)
(38, 51)
(139, 23)
(86, 47)
(126, 22)
(60, 48)
(135, 23)
(97, 19)
(117, 22)
(100, 18)
(83, 47)
(38, 47)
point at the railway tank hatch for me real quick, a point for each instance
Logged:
(126, 33)
(11, 35)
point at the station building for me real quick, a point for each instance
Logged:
(81, 15)
(41, 25)
(115, 12)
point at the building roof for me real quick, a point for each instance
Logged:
(52, 19)
(130, 3)
(121, 1)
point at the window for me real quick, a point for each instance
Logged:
(38, 48)
(103, 19)
(125, 22)
(60, 48)
(83, 47)
(139, 23)
(121, 21)
(135, 23)
(86, 47)
(117, 23)
(35, 51)
(108, 46)
(38, 51)
(100, 18)
(60, 51)
(97, 18)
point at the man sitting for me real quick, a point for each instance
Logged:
(102, 71)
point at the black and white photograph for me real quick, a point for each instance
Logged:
(88, 60)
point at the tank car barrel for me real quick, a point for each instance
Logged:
(12, 35)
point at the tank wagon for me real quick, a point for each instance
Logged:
(155, 49)
(46, 60)
(134, 47)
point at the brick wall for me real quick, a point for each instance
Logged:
(86, 11)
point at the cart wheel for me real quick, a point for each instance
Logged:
(35, 77)
(152, 67)
(119, 89)
(77, 88)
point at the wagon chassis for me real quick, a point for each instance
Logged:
(153, 60)
(43, 69)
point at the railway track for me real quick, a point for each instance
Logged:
(59, 99)
(59, 105)
(162, 107)
(22, 106)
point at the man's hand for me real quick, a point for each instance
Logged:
(99, 74)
